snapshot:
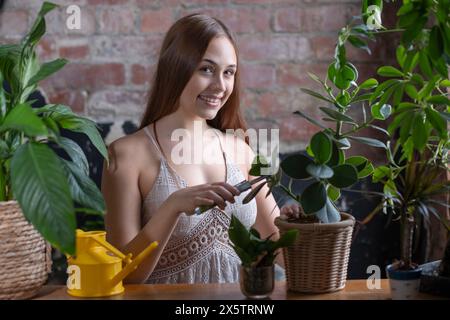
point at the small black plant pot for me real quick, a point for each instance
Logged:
(431, 282)
(404, 283)
(257, 283)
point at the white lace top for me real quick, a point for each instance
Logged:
(198, 250)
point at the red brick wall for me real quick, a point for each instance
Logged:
(113, 55)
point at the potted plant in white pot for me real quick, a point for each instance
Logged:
(318, 260)
(257, 278)
(40, 192)
(416, 172)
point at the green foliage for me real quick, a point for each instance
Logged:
(418, 159)
(47, 187)
(412, 96)
(251, 249)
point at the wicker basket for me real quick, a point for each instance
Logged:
(317, 262)
(25, 257)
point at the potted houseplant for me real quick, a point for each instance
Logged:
(40, 192)
(318, 261)
(416, 171)
(257, 256)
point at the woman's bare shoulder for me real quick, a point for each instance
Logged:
(133, 149)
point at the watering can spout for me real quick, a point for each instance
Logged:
(131, 265)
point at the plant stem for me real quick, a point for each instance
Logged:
(386, 31)
(293, 196)
(406, 229)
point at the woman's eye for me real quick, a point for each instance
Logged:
(207, 69)
(230, 72)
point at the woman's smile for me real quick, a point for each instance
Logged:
(210, 101)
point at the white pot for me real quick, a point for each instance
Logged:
(404, 283)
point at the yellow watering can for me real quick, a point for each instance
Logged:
(96, 270)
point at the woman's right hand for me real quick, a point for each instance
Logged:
(210, 194)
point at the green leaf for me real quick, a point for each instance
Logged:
(295, 166)
(321, 147)
(343, 143)
(344, 176)
(286, 240)
(75, 153)
(362, 97)
(419, 132)
(336, 115)
(439, 99)
(329, 213)
(38, 28)
(320, 171)
(380, 172)
(400, 55)
(412, 58)
(88, 128)
(428, 88)
(379, 129)
(333, 192)
(259, 163)
(381, 112)
(437, 122)
(362, 165)
(313, 198)
(417, 24)
(388, 71)
(411, 91)
(337, 155)
(369, 141)
(358, 43)
(358, 162)
(435, 43)
(238, 233)
(315, 94)
(424, 64)
(83, 190)
(404, 106)
(23, 119)
(46, 70)
(310, 119)
(40, 186)
(382, 87)
(246, 259)
(369, 84)
(64, 116)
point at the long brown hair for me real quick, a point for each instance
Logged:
(182, 50)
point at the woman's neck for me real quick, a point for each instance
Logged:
(177, 120)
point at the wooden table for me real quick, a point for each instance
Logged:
(354, 290)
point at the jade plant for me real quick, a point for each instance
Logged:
(325, 165)
(50, 189)
(253, 251)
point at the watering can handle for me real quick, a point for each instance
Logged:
(111, 248)
(130, 267)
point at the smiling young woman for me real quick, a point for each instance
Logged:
(149, 196)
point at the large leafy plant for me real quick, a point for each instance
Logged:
(47, 187)
(326, 166)
(252, 250)
(416, 172)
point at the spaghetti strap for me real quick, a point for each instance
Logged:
(224, 155)
(149, 135)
